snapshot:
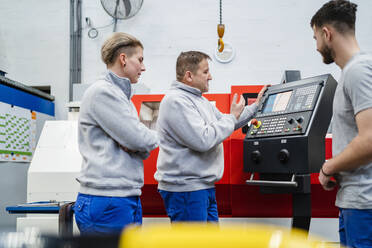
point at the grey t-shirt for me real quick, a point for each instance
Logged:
(353, 95)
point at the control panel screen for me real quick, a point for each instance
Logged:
(277, 102)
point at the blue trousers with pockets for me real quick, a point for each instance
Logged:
(355, 227)
(197, 205)
(106, 215)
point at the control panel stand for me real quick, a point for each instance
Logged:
(300, 188)
(301, 205)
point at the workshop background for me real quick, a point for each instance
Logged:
(268, 36)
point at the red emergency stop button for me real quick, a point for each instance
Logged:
(255, 123)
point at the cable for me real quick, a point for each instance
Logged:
(93, 31)
(106, 25)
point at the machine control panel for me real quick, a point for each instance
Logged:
(286, 141)
(288, 133)
(285, 111)
(279, 125)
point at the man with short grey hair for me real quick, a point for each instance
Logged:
(191, 131)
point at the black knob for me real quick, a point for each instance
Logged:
(256, 156)
(300, 119)
(290, 121)
(283, 155)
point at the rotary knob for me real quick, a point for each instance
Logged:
(283, 155)
(256, 156)
(300, 119)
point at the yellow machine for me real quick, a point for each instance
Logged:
(188, 235)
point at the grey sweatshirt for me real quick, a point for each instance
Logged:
(107, 121)
(191, 132)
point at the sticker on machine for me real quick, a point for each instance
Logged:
(17, 133)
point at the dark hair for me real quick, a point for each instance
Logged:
(338, 13)
(189, 61)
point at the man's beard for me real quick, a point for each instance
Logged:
(328, 55)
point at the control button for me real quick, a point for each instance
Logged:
(256, 156)
(290, 121)
(300, 119)
(283, 155)
(256, 123)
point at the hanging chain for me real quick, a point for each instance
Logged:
(220, 31)
(220, 11)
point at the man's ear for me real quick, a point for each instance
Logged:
(188, 76)
(327, 32)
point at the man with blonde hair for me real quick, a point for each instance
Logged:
(113, 143)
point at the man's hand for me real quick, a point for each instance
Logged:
(259, 97)
(237, 107)
(325, 179)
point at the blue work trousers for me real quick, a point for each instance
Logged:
(197, 205)
(355, 227)
(97, 215)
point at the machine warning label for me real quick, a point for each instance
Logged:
(17, 133)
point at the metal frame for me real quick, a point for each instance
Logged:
(291, 183)
(75, 45)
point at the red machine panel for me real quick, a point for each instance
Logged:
(150, 162)
(151, 200)
(235, 198)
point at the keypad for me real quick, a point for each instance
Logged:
(271, 126)
(304, 97)
(280, 125)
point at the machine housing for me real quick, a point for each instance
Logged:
(293, 119)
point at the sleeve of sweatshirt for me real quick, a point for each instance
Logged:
(188, 128)
(246, 115)
(113, 115)
(217, 113)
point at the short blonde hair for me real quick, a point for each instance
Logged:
(189, 61)
(116, 44)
